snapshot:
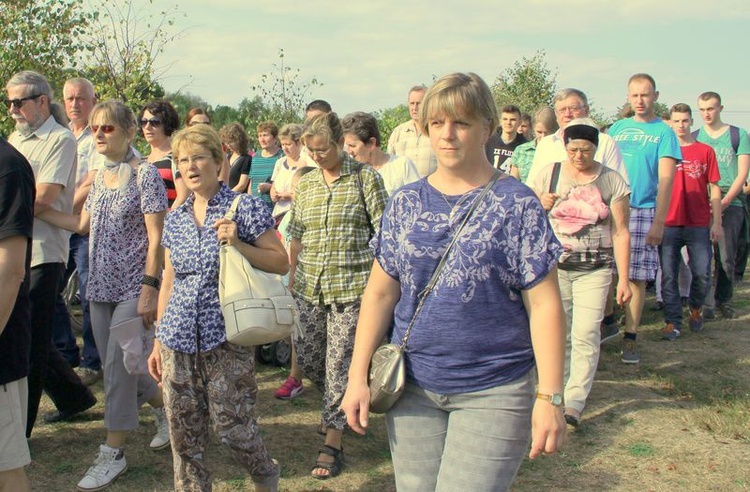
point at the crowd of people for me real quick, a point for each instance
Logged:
(516, 236)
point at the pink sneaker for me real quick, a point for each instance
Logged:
(290, 389)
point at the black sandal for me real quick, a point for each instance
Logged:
(333, 468)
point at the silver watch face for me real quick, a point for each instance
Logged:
(556, 399)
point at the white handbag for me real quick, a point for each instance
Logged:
(257, 307)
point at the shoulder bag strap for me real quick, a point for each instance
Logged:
(233, 209)
(360, 187)
(436, 274)
(555, 177)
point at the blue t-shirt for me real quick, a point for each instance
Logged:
(261, 171)
(726, 157)
(473, 331)
(642, 145)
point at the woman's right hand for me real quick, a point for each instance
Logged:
(154, 362)
(356, 406)
(548, 200)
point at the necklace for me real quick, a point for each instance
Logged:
(453, 207)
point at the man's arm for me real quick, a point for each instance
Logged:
(717, 229)
(743, 165)
(46, 194)
(12, 273)
(667, 168)
(82, 192)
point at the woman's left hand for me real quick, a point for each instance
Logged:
(547, 428)
(226, 231)
(147, 303)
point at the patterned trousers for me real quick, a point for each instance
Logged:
(324, 352)
(218, 385)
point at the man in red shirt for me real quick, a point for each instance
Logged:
(689, 223)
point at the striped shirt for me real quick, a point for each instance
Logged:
(330, 221)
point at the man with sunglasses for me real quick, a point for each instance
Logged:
(50, 148)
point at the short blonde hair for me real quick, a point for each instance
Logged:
(201, 136)
(459, 95)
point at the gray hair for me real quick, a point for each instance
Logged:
(563, 94)
(38, 84)
(81, 82)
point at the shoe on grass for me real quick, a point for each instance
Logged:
(161, 438)
(629, 354)
(670, 332)
(727, 311)
(109, 465)
(290, 389)
(695, 322)
(709, 313)
(609, 331)
(70, 414)
(88, 376)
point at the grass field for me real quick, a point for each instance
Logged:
(679, 420)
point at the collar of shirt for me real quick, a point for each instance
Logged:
(43, 131)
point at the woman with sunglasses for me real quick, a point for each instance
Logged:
(335, 210)
(159, 120)
(124, 214)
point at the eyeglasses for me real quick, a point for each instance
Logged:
(196, 159)
(152, 122)
(104, 128)
(568, 109)
(19, 102)
(321, 154)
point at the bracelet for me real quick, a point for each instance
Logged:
(150, 281)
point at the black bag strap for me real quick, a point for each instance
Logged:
(555, 177)
(358, 178)
(439, 268)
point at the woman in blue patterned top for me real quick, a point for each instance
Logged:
(205, 378)
(469, 408)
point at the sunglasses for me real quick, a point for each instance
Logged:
(19, 102)
(152, 122)
(104, 128)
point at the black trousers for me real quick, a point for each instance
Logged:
(48, 370)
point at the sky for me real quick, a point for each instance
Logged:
(368, 54)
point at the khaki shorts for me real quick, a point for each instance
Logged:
(14, 451)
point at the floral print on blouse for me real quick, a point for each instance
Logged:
(193, 311)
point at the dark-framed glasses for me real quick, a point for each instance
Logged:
(19, 102)
(151, 121)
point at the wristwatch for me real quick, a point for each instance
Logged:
(555, 398)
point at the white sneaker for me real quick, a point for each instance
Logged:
(161, 439)
(109, 465)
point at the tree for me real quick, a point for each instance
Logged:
(39, 35)
(528, 84)
(389, 119)
(282, 94)
(124, 42)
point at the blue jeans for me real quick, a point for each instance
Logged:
(63, 335)
(697, 240)
(468, 441)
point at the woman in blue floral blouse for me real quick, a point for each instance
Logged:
(205, 378)
(470, 403)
